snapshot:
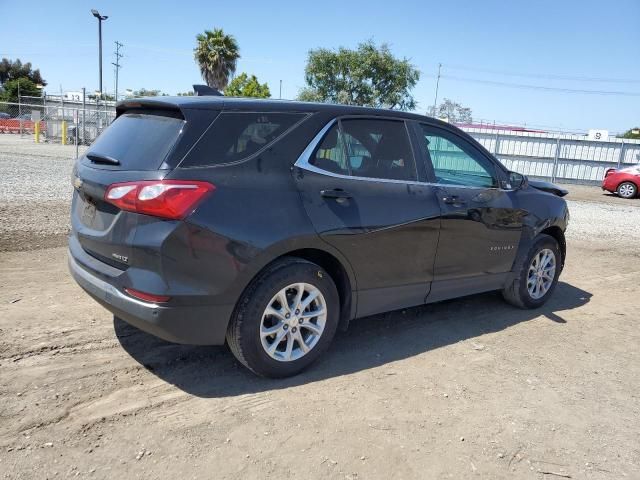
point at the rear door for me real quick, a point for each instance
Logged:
(363, 193)
(481, 222)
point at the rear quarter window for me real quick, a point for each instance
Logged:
(235, 136)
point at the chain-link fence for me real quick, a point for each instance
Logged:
(52, 122)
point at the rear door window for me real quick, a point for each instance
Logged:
(379, 149)
(235, 136)
(138, 141)
(370, 148)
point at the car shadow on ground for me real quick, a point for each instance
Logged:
(370, 342)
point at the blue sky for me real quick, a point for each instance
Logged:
(571, 45)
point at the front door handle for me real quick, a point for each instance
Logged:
(453, 200)
(336, 193)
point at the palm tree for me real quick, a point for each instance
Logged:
(216, 54)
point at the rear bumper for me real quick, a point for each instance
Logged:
(194, 325)
(608, 184)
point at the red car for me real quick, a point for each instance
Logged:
(625, 182)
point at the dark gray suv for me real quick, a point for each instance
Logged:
(270, 224)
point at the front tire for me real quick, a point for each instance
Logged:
(537, 274)
(627, 190)
(286, 318)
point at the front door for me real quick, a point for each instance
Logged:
(360, 188)
(481, 222)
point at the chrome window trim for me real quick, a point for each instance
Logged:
(305, 156)
(303, 163)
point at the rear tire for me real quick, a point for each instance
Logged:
(285, 319)
(537, 275)
(627, 190)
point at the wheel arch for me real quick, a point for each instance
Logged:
(339, 274)
(557, 233)
(633, 181)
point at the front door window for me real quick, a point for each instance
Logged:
(455, 164)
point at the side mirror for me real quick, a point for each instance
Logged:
(517, 180)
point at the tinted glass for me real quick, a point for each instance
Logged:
(330, 155)
(457, 166)
(367, 148)
(139, 141)
(235, 136)
(379, 149)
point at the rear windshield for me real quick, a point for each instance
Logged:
(138, 141)
(235, 136)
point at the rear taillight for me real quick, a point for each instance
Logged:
(172, 199)
(609, 172)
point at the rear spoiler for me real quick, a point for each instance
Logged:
(178, 106)
(150, 104)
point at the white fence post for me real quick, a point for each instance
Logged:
(555, 160)
(621, 156)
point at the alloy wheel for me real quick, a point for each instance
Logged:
(542, 271)
(293, 322)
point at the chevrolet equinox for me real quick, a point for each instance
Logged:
(268, 225)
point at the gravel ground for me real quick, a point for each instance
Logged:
(31, 172)
(35, 193)
(614, 225)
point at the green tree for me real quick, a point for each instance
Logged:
(186, 94)
(369, 76)
(12, 70)
(216, 54)
(632, 133)
(247, 86)
(23, 86)
(452, 112)
(143, 92)
(105, 96)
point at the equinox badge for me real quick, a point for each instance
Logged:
(122, 258)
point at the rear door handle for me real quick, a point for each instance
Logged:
(336, 193)
(453, 200)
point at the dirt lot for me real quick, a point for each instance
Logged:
(470, 388)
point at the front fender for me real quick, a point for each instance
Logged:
(546, 213)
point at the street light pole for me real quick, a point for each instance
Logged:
(100, 19)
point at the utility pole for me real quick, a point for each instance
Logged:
(280, 89)
(117, 63)
(435, 100)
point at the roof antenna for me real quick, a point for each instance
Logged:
(206, 90)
